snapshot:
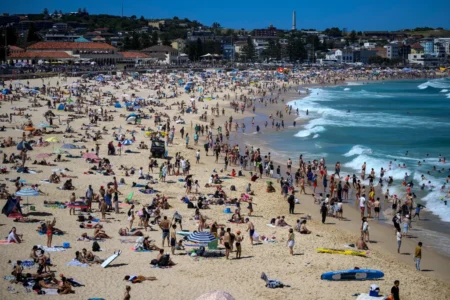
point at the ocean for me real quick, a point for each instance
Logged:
(385, 124)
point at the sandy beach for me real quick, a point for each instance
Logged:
(191, 276)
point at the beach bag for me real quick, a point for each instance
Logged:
(154, 262)
(190, 205)
(233, 188)
(95, 246)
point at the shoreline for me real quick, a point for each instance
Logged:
(191, 278)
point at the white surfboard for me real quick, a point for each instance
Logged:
(111, 259)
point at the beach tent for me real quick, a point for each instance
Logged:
(12, 206)
(61, 106)
(24, 146)
(117, 105)
(127, 142)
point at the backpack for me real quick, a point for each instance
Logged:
(233, 188)
(95, 246)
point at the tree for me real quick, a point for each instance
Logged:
(216, 27)
(60, 12)
(155, 38)
(295, 49)
(85, 12)
(353, 36)
(142, 19)
(45, 12)
(32, 35)
(55, 12)
(135, 42)
(165, 40)
(11, 39)
(334, 32)
(80, 11)
(249, 51)
(145, 40)
(127, 43)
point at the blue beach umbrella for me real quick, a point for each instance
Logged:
(69, 146)
(24, 146)
(202, 237)
(27, 192)
(127, 142)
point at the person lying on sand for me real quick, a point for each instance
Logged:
(125, 232)
(26, 220)
(100, 234)
(138, 278)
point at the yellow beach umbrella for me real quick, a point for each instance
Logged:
(52, 140)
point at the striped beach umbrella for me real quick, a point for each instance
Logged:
(27, 192)
(202, 237)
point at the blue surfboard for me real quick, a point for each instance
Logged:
(361, 274)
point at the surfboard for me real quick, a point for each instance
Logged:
(184, 233)
(361, 274)
(342, 251)
(111, 259)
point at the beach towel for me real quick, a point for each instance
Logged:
(45, 181)
(128, 241)
(5, 242)
(76, 263)
(148, 191)
(26, 264)
(45, 233)
(141, 250)
(52, 249)
(50, 291)
(283, 227)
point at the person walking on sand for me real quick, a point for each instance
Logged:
(324, 211)
(399, 241)
(365, 230)
(291, 201)
(239, 239)
(291, 241)
(362, 204)
(418, 255)
(131, 216)
(395, 290)
(250, 229)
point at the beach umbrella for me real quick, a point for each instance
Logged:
(132, 115)
(216, 295)
(90, 155)
(127, 142)
(69, 146)
(27, 192)
(59, 151)
(24, 146)
(52, 140)
(202, 237)
(43, 155)
(131, 119)
(43, 125)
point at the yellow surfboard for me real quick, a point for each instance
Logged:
(341, 251)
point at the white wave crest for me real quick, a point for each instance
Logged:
(308, 131)
(358, 150)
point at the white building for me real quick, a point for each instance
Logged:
(391, 51)
(369, 45)
(344, 56)
(425, 60)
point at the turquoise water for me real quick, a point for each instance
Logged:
(378, 123)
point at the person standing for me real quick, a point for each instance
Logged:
(197, 156)
(399, 241)
(173, 238)
(227, 242)
(418, 255)
(291, 241)
(323, 211)
(250, 229)
(165, 226)
(239, 239)
(362, 204)
(89, 196)
(291, 201)
(395, 291)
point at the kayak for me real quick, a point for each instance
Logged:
(359, 274)
(343, 252)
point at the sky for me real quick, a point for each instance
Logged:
(250, 14)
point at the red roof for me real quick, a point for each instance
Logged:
(43, 54)
(15, 48)
(416, 46)
(133, 54)
(70, 46)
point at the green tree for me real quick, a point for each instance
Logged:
(45, 12)
(60, 12)
(142, 19)
(135, 42)
(216, 27)
(145, 40)
(334, 32)
(295, 49)
(85, 12)
(80, 11)
(32, 35)
(165, 40)
(353, 37)
(249, 51)
(55, 12)
(155, 38)
(127, 43)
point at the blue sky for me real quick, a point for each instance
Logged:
(249, 14)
